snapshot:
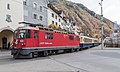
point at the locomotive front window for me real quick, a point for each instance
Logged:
(24, 34)
(15, 34)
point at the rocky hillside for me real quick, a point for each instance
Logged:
(87, 20)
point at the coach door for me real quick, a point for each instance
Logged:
(36, 43)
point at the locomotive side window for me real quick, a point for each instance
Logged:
(71, 37)
(35, 35)
(77, 38)
(27, 33)
(48, 35)
(24, 34)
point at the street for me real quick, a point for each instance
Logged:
(90, 60)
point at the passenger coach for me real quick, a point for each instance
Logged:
(88, 42)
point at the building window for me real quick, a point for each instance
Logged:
(59, 20)
(56, 23)
(8, 6)
(52, 15)
(35, 5)
(52, 22)
(56, 16)
(35, 16)
(48, 35)
(71, 37)
(25, 2)
(41, 18)
(41, 8)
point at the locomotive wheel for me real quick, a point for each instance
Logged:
(72, 50)
(31, 55)
(45, 53)
(39, 54)
(50, 52)
(77, 50)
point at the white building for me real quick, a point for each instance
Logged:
(11, 12)
(59, 19)
(55, 18)
(76, 30)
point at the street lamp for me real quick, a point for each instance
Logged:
(101, 24)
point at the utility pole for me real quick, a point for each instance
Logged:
(101, 23)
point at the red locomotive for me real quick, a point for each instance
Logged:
(30, 41)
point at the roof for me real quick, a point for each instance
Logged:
(56, 11)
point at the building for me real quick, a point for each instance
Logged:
(14, 11)
(35, 11)
(58, 19)
(11, 12)
(55, 17)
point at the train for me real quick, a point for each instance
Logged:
(38, 41)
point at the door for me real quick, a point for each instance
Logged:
(36, 42)
(4, 43)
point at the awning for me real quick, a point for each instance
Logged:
(6, 28)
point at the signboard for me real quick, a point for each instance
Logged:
(115, 27)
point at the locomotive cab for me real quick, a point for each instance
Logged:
(24, 39)
(20, 37)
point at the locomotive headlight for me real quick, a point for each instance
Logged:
(21, 41)
(22, 44)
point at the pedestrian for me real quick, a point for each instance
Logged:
(8, 45)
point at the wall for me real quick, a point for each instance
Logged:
(16, 13)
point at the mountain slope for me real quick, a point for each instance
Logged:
(87, 20)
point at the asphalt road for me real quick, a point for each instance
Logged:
(91, 60)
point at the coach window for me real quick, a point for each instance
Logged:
(35, 35)
(71, 37)
(81, 39)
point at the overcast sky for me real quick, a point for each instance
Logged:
(111, 8)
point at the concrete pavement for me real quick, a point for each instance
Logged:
(41, 64)
(90, 60)
(93, 60)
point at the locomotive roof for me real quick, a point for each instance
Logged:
(33, 28)
(47, 29)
